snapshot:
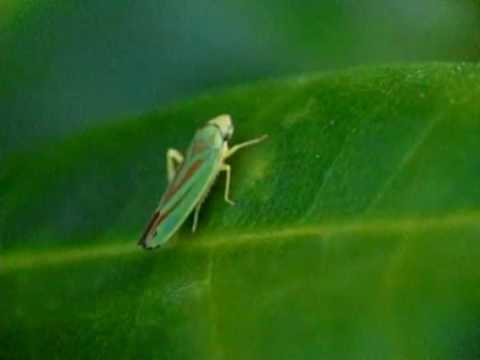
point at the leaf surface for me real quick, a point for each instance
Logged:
(356, 232)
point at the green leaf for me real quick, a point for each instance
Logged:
(356, 232)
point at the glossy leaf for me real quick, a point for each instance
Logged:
(355, 234)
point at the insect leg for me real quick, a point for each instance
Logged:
(173, 156)
(195, 216)
(227, 170)
(237, 147)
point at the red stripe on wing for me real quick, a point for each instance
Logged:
(199, 147)
(148, 229)
(180, 182)
(155, 221)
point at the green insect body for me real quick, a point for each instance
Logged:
(191, 178)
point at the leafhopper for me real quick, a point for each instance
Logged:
(190, 178)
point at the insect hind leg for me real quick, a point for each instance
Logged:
(174, 160)
(227, 169)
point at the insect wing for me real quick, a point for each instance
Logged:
(184, 192)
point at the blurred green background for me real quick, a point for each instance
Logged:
(69, 65)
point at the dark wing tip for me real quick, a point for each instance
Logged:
(143, 239)
(145, 246)
(142, 243)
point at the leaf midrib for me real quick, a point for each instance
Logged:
(17, 261)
